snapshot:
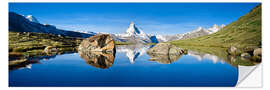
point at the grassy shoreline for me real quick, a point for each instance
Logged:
(33, 44)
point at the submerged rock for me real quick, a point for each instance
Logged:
(165, 53)
(98, 59)
(165, 48)
(102, 43)
(164, 58)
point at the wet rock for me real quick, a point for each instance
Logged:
(165, 53)
(98, 59)
(233, 51)
(101, 42)
(245, 56)
(165, 48)
(257, 52)
(50, 49)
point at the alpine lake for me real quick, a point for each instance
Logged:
(130, 66)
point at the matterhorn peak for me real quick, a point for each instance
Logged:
(32, 18)
(133, 30)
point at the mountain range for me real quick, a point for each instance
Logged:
(136, 35)
(133, 34)
(21, 23)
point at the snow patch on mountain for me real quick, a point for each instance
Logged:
(20, 23)
(200, 31)
(32, 18)
(135, 35)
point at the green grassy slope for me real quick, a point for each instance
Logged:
(35, 43)
(242, 33)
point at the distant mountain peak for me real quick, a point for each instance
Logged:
(31, 18)
(215, 28)
(133, 30)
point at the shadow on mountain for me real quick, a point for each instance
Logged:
(164, 58)
(98, 59)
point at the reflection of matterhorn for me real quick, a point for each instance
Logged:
(202, 56)
(133, 51)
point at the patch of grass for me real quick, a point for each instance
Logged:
(33, 44)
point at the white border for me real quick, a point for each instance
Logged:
(4, 43)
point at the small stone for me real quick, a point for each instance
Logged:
(246, 55)
(233, 50)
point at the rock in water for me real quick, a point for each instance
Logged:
(257, 52)
(164, 58)
(165, 48)
(99, 43)
(165, 53)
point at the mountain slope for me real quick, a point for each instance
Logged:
(19, 23)
(244, 32)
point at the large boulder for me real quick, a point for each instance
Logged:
(100, 43)
(165, 48)
(257, 52)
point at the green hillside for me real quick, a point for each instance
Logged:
(33, 44)
(243, 33)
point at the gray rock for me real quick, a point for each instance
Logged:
(257, 52)
(233, 51)
(50, 49)
(165, 48)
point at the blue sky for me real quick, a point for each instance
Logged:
(161, 18)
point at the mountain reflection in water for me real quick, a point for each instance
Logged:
(129, 66)
(133, 51)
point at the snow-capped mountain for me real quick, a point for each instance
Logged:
(215, 28)
(194, 33)
(32, 18)
(135, 35)
(20, 23)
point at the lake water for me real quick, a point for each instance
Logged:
(131, 66)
